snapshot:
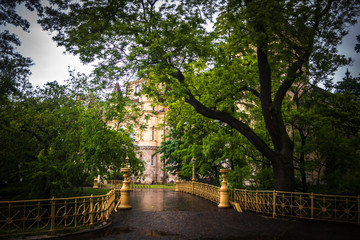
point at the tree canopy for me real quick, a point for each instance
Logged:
(220, 57)
(61, 136)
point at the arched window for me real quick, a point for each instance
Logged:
(153, 133)
(152, 160)
(141, 157)
(137, 88)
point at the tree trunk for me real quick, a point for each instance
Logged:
(303, 174)
(283, 174)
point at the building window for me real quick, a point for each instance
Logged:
(137, 89)
(141, 157)
(152, 160)
(153, 133)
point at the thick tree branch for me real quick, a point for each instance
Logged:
(227, 118)
(272, 116)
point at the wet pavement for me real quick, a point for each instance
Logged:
(166, 214)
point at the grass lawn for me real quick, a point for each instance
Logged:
(76, 192)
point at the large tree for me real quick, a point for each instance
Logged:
(216, 56)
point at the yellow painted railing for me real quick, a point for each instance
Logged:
(49, 216)
(335, 208)
(203, 190)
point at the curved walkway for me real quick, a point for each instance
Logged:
(165, 214)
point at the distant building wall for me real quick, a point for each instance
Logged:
(149, 139)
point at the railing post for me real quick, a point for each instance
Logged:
(193, 176)
(91, 211)
(75, 208)
(256, 201)
(193, 169)
(312, 206)
(274, 203)
(125, 190)
(52, 224)
(103, 208)
(177, 181)
(245, 198)
(224, 191)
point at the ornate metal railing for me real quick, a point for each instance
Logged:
(203, 190)
(334, 208)
(49, 216)
(299, 205)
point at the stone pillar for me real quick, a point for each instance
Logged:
(224, 191)
(125, 190)
(177, 182)
(95, 183)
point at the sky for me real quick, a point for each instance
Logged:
(51, 63)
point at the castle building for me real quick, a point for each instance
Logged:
(148, 140)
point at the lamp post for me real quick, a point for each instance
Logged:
(193, 172)
(193, 176)
(127, 162)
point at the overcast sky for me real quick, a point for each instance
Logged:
(52, 64)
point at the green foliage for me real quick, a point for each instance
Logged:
(211, 143)
(335, 139)
(237, 71)
(172, 162)
(349, 85)
(326, 130)
(263, 179)
(57, 139)
(237, 177)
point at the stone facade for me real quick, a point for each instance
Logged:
(149, 140)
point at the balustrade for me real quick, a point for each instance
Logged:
(334, 208)
(49, 216)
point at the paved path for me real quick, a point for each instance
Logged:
(164, 214)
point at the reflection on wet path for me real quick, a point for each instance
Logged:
(166, 214)
(149, 205)
(168, 200)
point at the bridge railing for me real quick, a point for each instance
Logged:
(336, 208)
(49, 216)
(203, 190)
